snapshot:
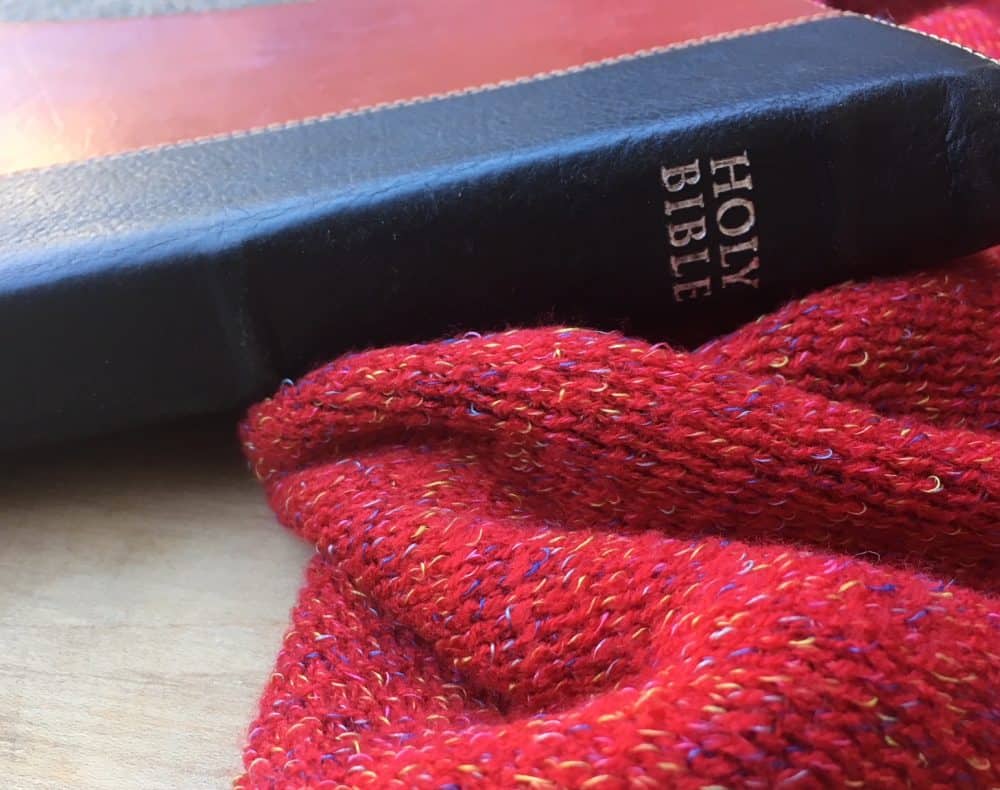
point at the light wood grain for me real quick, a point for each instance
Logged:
(144, 589)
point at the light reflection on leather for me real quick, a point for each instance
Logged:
(80, 89)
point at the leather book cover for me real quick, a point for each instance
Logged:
(197, 206)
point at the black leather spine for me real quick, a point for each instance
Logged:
(193, 278)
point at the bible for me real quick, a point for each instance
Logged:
(196, 207)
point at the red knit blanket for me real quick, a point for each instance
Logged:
(563, 558)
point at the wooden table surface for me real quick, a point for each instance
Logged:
(144, 590)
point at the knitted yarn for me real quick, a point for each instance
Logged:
(565, 558)
(973, 23)
(560, 557)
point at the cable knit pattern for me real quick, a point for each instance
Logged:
(564, 558)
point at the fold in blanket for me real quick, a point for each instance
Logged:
(569, 558)
(562, 558)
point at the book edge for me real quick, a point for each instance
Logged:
(940, 39)
(434, 97)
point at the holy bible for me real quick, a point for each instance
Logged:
(196, 207)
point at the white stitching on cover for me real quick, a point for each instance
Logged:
(925, 34)
(372, 108)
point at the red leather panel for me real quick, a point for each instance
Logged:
(82, 89)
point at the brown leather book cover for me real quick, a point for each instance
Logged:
(71, 90)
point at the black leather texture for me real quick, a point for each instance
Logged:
(193, 279)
